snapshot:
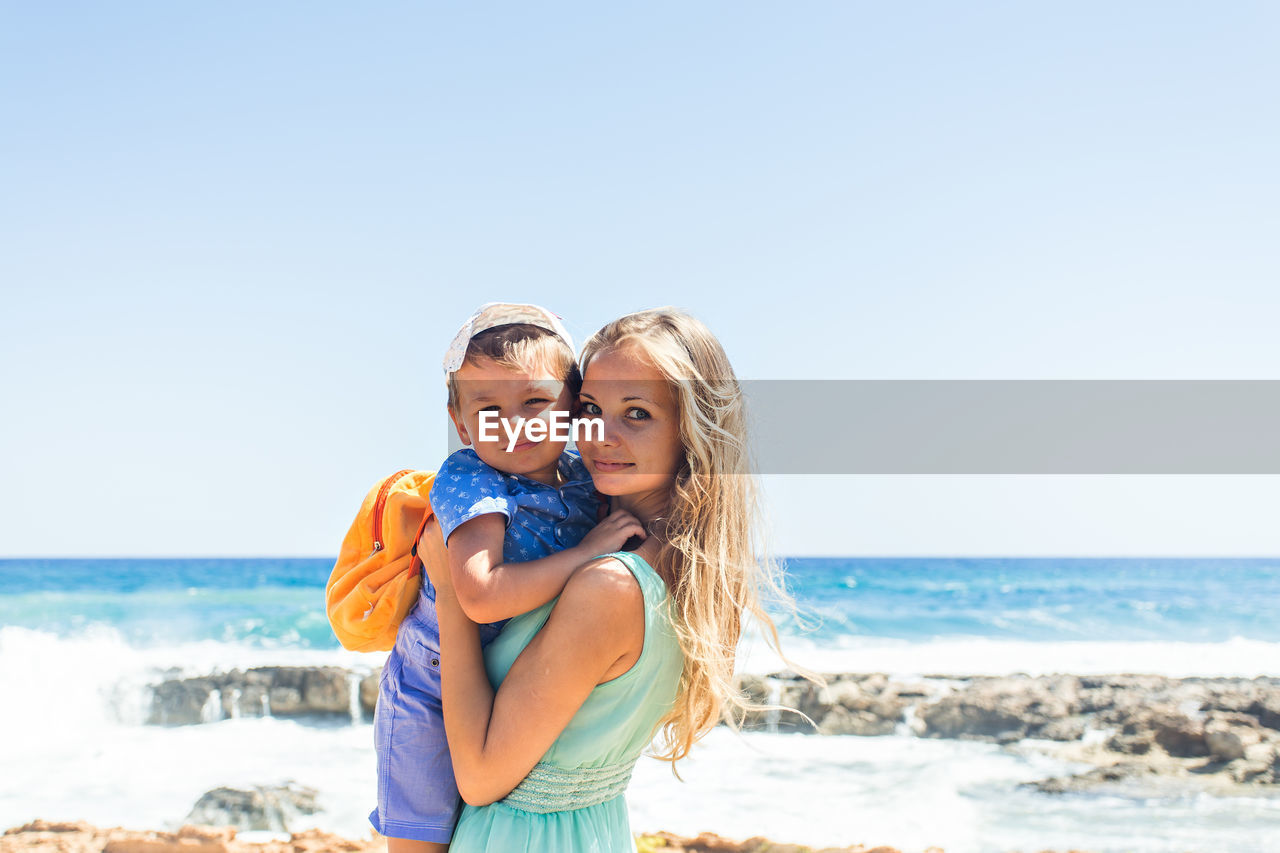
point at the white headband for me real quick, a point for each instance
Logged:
(500, 314)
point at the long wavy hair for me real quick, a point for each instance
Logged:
(713, 529)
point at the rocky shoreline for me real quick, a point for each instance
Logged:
(43, 836)
(1218, 735)
(275, 691)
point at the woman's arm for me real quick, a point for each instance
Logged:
(595, 633)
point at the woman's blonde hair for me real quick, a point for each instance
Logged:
(713, 528)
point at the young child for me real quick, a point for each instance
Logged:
(517, 516)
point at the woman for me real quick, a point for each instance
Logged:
(638, 640)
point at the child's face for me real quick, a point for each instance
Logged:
(486, 386)
(641, 449)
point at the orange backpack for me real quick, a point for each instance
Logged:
(378, 575)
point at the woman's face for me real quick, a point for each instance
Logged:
(639, 449)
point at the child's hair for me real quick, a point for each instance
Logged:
(521, 346)
(714, 536)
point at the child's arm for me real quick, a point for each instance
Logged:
(490, 590)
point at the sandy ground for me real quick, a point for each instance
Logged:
(43, 836)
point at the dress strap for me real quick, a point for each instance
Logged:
(549, 788)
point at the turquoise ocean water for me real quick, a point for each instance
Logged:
(279, 602)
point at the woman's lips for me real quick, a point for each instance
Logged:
(608, 467)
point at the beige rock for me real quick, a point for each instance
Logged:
(842, 721)
(708, 842)
(163, 843)
(51, 826)
(1224, 745)
(1064, 728)
(1261, 751)
(1229, 739)
(369, 692)
(1134, 744)
(44, 836)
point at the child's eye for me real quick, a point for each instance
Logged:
(535, 401)
(493, 408)
(636, 413)
(589, 408)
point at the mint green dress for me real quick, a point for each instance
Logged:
(572, 801)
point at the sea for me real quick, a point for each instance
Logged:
(83, 641)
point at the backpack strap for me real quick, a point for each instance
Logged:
(416, 564)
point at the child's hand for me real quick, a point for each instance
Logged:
(610, 534)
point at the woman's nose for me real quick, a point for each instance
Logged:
(602, 431)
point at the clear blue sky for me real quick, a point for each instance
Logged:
(235, 239)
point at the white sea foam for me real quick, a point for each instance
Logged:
(913, 793)
(68, 689)
(76, 747)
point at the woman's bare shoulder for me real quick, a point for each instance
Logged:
(605, 586)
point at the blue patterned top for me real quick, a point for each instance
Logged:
(541, 519)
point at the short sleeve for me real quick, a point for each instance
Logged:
(465, 488)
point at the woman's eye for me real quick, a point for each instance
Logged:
(589, 408)
(635, 413)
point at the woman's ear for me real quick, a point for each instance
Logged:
(459, 426)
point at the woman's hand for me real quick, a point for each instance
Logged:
(435, 560)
